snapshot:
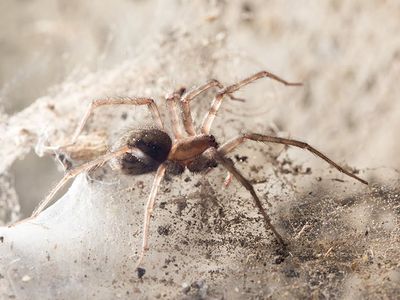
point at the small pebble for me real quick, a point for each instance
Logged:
(141, 272)
(185, 288)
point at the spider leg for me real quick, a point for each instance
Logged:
(173, 112)
(235, 142)
(71, 174)
(74, 172)
(149, 210)
(229, 165)
(117, 101)
(210, 116)
(185, 104)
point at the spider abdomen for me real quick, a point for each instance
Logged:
(155, 145)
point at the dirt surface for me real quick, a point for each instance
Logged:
(207, 242)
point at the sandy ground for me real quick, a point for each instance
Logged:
(207, 242)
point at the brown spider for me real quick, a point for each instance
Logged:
(143, 151)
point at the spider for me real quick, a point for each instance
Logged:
(143, 151)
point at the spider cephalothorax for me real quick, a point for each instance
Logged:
(143, 151)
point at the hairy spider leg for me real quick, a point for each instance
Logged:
(152, 106)
(71, 174)
(74, 172)
(210, 116)
(185, 104)
(235, 142)
(172, 103)
(229, 165)
(148, 212)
